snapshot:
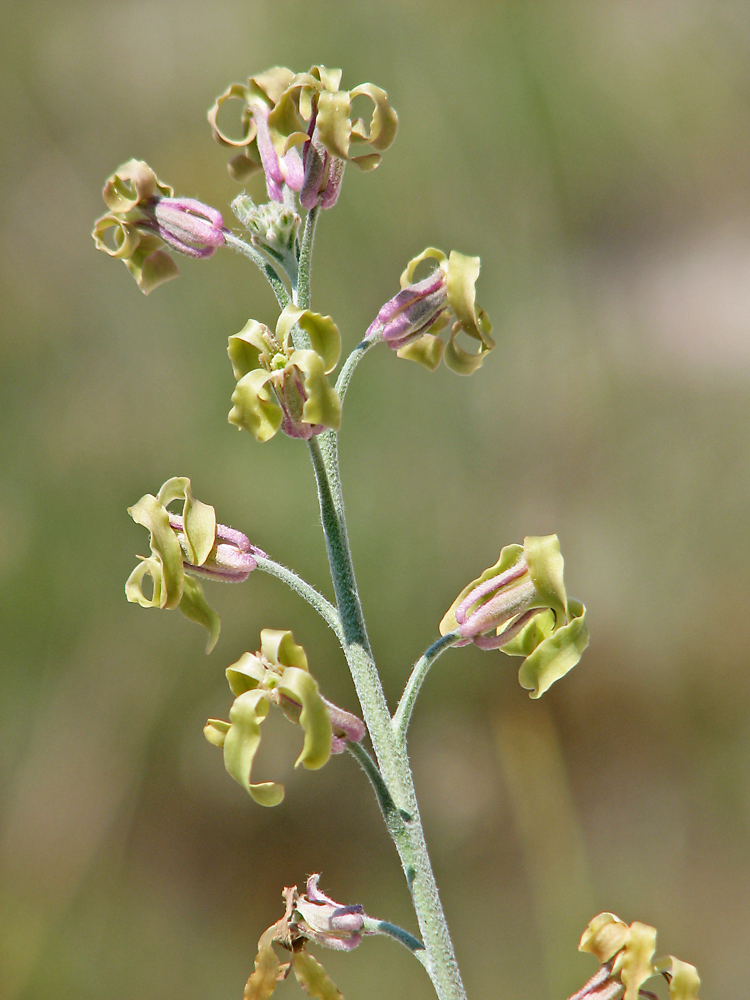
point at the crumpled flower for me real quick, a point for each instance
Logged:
(627, 957)
(279, 386)
(183, 546)
(278, 674)
(308, 917)
(284, 112)
(519, 605)
(411, 321)
(146, 217)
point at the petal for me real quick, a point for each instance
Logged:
(462, 362)
(426, 351)
(683, 978)
(332, 124)
(126, 237)
(384, 121)
(314, 718)
(246, 673)
(133, 183)
(198, 519)
(215, 731)
(255, 409)
(634, 963)
(278, 646)
(241, 743)
(427, 254)
(605, 935)
(151, 266)
(557, 654)
(313, 978)
(545, 562)
(134, 584)
(262, 982)
(194, 606)
(322, 405)
(237, 91)
(246, 347)
(324, 335)
(164, 545)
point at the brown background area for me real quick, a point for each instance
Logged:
(596, 156)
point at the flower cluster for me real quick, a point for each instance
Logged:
(278, 675)
(519, 605)
(279, 386)
(627, 957)
(146, 217)
(184, 546)
(298, 128)
(411, 321)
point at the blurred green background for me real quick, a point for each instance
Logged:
(596, 156)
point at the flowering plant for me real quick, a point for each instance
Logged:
(298, 130)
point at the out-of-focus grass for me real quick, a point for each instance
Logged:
(596, 156)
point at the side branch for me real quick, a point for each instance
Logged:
(402, 715)
(270, 273)
(324, 607)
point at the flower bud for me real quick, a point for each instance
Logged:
(519, 605)
(272, 226)
(145, 217)
(410, 322)
(627, 957)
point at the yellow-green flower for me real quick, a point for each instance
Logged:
(411, 321)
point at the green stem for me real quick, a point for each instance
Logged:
(324, 608)
(404, 824)
(301, 291)
(374, 926)
(402, 715)
(347, 369)
(270, 273)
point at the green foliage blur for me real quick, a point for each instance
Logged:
(597, 157)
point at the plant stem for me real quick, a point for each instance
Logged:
(270, 272)
(402, 715)
(347, 369)
(301, 291)
(324, 608)
(404, 824)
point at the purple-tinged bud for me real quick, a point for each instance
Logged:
(187, 225)
(231, 558)
(411, 312)
(347, 728)
(323, 173)
(278, 170)
(324, 920)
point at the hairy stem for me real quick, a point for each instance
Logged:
(301, 291)
(324, 608)
(347, 369)
(402, 715)
(270, 272)
(404, 824)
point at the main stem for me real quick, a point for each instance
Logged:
(404, 823)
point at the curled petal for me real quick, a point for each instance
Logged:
(313, 978)
(684, 981)
(279, 647)
(314, 718)
(556, 654)
(237, 91)
(241, 743)
(254, 408)
(150, 265)
(324, 335)
(322, 406)
(384, 122)
(198, 519)
(132, 184)
(151, 513)
(194, 606)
